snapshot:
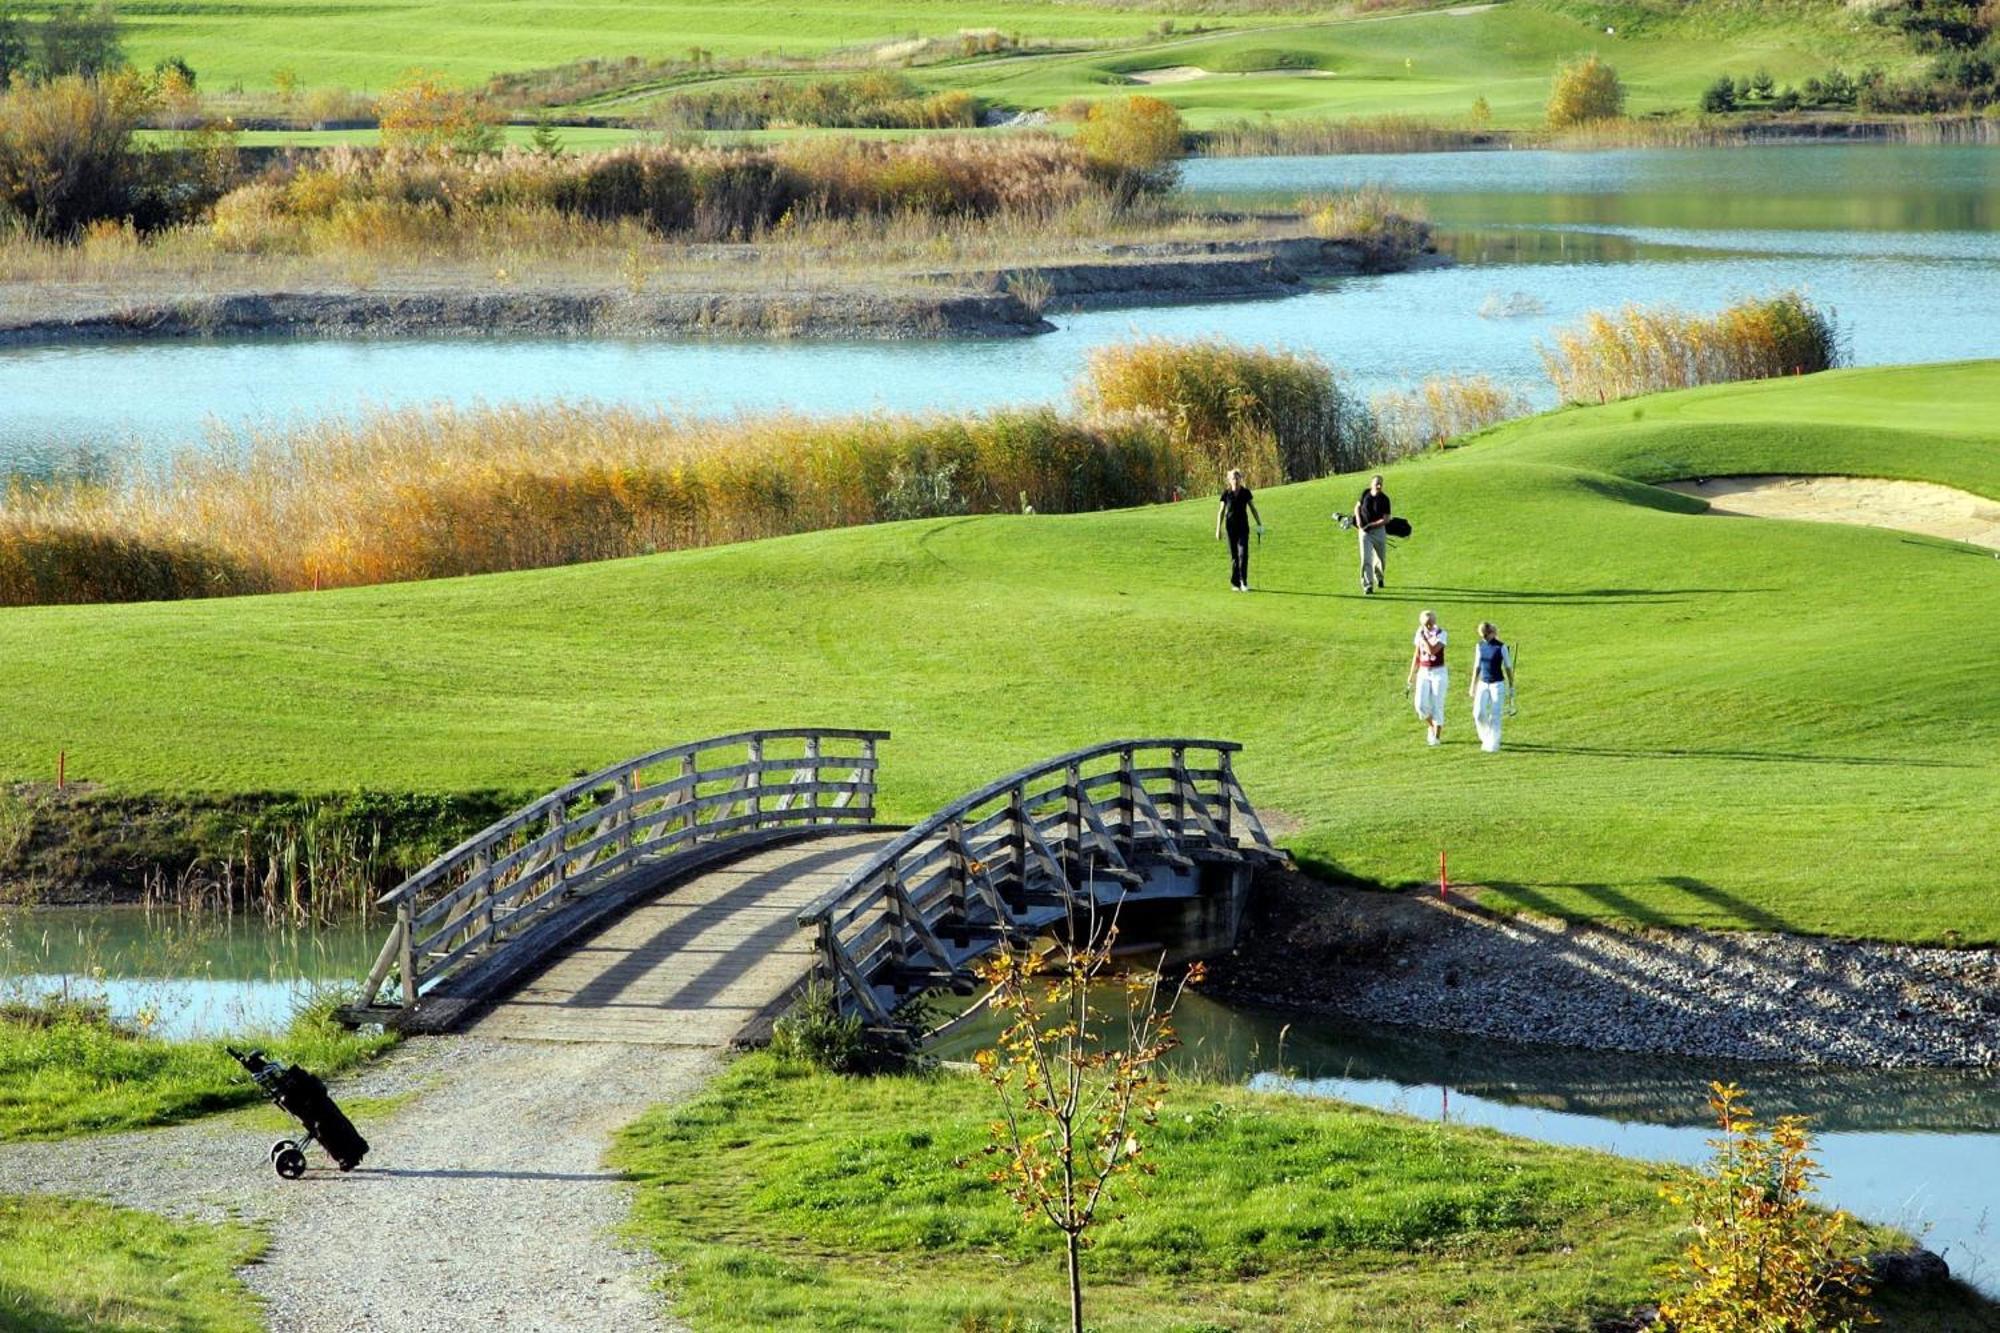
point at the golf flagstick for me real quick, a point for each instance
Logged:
(1513, 685)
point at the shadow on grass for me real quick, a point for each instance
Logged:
(1738, 756)
(1621, 901)
(1422, 593)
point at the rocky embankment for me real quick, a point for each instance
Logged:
(941, 304)
(1761, 996)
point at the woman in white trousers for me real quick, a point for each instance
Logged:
(1492, 683)
(1428, 680)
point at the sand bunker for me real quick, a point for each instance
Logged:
(1911, 506)
(1171, 74)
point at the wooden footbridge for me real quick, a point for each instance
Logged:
(684, 896)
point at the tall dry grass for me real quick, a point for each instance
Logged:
(1279, 415)
(1442, 408)
(1307, 137)
(1647, 349)
(400, 203)
(433, 493)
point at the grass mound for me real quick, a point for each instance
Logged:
(65, 1069)
(1723, 721)
(785, 1199)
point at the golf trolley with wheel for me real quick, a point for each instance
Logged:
(304, 1097)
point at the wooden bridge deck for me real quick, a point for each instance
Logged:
(693, 967)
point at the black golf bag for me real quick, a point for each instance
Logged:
(301, 1095)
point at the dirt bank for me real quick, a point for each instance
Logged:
(961, 302)
(1409, 958)
(1908, 506)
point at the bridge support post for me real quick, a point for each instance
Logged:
(1180, 792)
(1017, 847)
(1127, 803)
(627, 785)
(753, 783)
(1072, 843)
(812, 771)
(406, 953)
(690, 775)
(960, 874)
(482, 861)
(558, 835)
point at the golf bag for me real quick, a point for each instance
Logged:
(301, 1095)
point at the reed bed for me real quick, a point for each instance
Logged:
(1279, 415)
(1442, 408)
(433, 493)
(352, 200)
(1308, 137)
(1648, 349)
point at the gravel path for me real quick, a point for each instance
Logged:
(483, 1204)
(1406, 958)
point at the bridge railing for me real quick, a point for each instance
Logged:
(509, 876)
(983, 865)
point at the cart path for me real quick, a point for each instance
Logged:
(484, 1202)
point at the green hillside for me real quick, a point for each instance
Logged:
(1286, 61)
(1725, 721)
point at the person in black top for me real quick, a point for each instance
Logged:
(1371, 516)
(1234, 518)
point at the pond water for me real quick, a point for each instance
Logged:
(184, 976)
(1903, 242)
(1919, 1149)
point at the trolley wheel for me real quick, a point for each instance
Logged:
(280, 1146)
(291, 1163)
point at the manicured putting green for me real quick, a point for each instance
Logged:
(1724, 721)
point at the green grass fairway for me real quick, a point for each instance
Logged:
(1284, 63)
(1431, 65)
(1723, 721)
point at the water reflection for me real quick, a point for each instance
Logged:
(184, 976)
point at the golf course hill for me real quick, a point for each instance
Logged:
(1723, 721)
(1216, 63)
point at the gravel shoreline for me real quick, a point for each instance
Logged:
(1743, 996)
(483, 1204)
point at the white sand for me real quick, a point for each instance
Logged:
(1909, 506)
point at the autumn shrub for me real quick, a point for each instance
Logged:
(1279, 415)
(66, 154)
(1762, 1258)
(1647, 349)
(426, 113)
(1133, 146)
(1585, 90)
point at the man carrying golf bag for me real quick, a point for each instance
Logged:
(1371, 520)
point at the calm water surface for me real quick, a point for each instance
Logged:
(206, 975)
(1904, 242)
